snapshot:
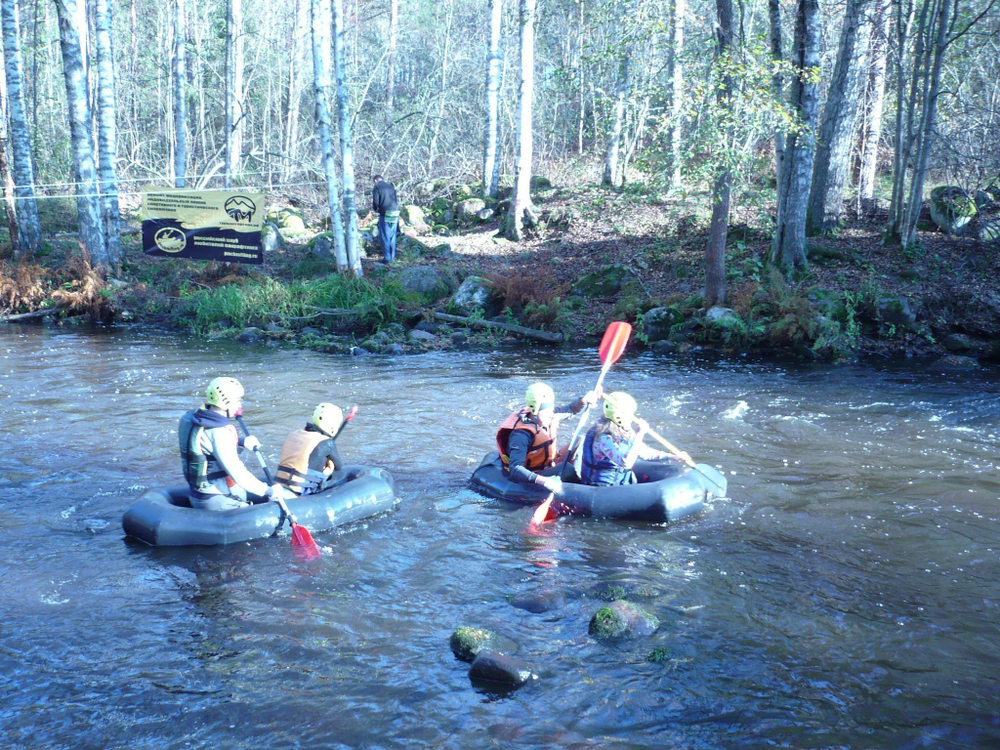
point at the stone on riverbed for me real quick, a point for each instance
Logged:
(466, 643)
(545, 601)
(620, 620)
(499, 669)
(250, 336)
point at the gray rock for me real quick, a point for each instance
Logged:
(428, 326)
(620, 620)
(952, 208)
(322, 246)
(664, 347)
(546, 601)
(424, 281)
(988, 229)
(447, 217)
(657, 323)
(310, 331)
(718, 312)
(393, 349)
(270, 237)
(475, 293)
(497, 668)
(414, 216)
(357, 351)
(250, 336)
(486, 214)
(896, 311)
(468, 210)
(418, 335)
(442, 250)
(957, 342)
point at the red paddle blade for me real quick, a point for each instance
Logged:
(543, 513)
(350, 413)
(302, 543)
(613, 343)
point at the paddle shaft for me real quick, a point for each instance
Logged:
(256, 452)
(583, 416)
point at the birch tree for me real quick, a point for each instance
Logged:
(874, 98)
(491, 165)
(234, 88)
(180, 101)
(789, 246)
(346, 144)
(390, 76)
(107, 135)
(521, 210)
(615, 136)
(29, 230)
(777, 86)
(87, 199)
(715, 251)
(320, 20)
(836, 132)
(676, 75)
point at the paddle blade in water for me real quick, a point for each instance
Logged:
(543, 513)
(613, 343)
(303, 544)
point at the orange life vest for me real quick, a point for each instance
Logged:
(293, 466)
(541, 452)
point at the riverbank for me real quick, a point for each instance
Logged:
(596, 256)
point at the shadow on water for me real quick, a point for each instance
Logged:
(843, 596)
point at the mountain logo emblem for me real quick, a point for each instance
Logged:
(240, 208)
(170, 240)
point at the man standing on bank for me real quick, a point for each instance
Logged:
(385, 205)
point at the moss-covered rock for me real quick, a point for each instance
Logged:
(659, 655)
(414, 216)
(952, 208)
(604, 283)
(620, 620)
(493, 668)
(540, 183)
(270, 237)
(658, 322)
(467, 642)
(468, 210)
(425, 282)
(461, 192)
(475, 293)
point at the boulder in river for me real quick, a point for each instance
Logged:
(658, 322)
(544, 601)
(466, 643)
(494, 668)
(250, 335)
(620, 620)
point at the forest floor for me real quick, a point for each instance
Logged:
(949, 283)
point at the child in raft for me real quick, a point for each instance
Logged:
(309, 457)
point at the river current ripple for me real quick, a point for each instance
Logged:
(844, 596)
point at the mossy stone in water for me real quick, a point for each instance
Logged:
(606, 625)
(467, 642)
(610, 592)
(659, 655)
(621, 620)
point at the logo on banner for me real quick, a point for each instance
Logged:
(170, 240)
(240, 208)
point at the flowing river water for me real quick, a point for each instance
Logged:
(844, 596)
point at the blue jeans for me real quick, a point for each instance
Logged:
(387, 236)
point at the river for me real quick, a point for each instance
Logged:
(844, 596)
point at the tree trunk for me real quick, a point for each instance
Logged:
(9, 200)
(582, 114)
(789, 247)
(715, 251)
(871, 122)
(390, 76)
(521, 211)
(491, 165)
(777, 90)
(234, 89)
(346, 144)
(610, 177)
(295, 73)
(107, 134)
(29, 231)
(180, 101)
(836, 134)
(676, 75)
(445, 58)
(87, 202)
(321, 21)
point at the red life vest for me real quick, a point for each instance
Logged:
(541, 452)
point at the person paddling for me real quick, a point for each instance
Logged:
(309, 457)
(527, 438)
(209, 445)
(612, 447)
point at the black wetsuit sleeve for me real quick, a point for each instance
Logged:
(322, 452)
(517, 450)
(574, 407)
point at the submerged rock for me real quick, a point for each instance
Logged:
(466, 643)
(494, 667)
(659, 655)
(250, 336)
(620, 620)
(545, 601)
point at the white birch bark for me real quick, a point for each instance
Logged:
(234, 89)
(718, 230)
(836, 132)
(777, 89)
(871, 126)
(581, 89)
(87, 201)
(321, 20)
(491, 165)
(295, 86)
(676, 74)
(443, 99)
(107, 135)
(390, 83)
(346, 143)
(180, 101)
(29, 230)
(615, 136)
(521, 211)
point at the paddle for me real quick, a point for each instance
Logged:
(717, 480)
(302, 542)
(612, 345)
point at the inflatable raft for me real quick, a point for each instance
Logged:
(165, 518)
(666, 491)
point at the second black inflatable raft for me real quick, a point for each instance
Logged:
(667, 490)
(165, 518)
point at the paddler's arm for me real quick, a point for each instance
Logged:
(224, 446)
(517, 450)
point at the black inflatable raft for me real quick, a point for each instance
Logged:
(666, 491)
(165, 518)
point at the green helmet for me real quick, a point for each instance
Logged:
(226, 393)
(622, 411)
(328, 417)
(538, 397)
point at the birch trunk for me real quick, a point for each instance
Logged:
(491, 165)
(321, 21)
(715, 251)
(87, 202)
(107, 135)
(444, 85)
(836, 133)
(390, 91)
(295, 87)
(871, 123)
(521, 211)
(180, 101)
(777, 90)
(615, 136)
(789, 247)
(8, 191)
(581, 89)
(346, 143)
(234, 89)
(676, 74)
(29, 231)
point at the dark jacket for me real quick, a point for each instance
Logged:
(384, 197)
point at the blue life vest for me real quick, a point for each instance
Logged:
(602, 471)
